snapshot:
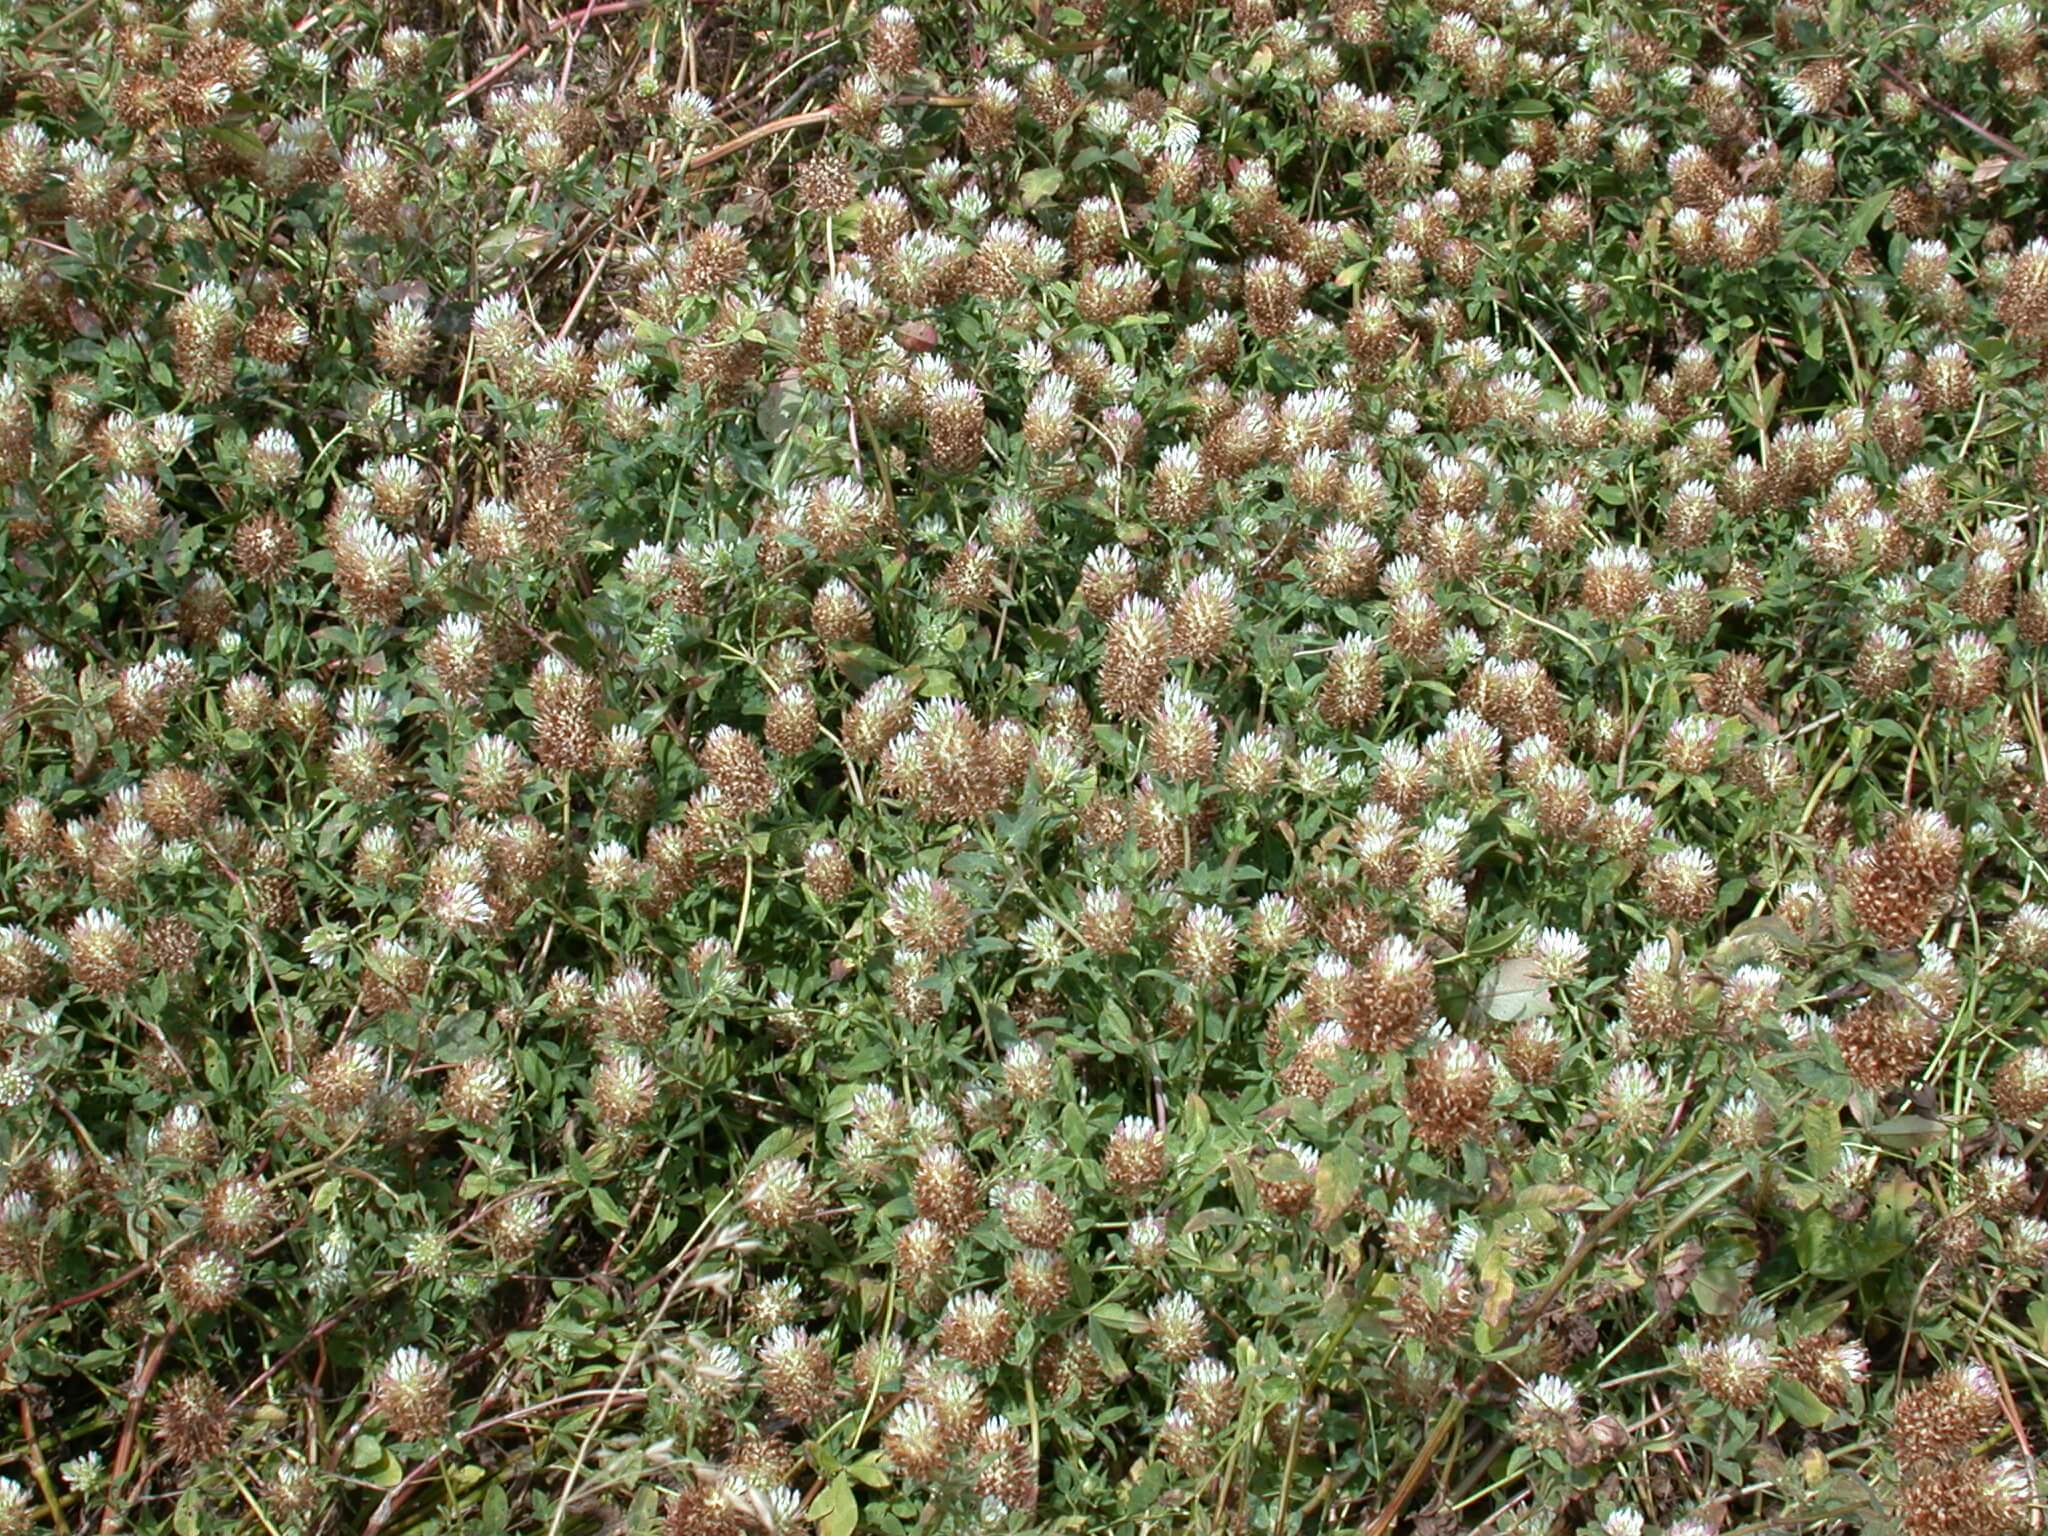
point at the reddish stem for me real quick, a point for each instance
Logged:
(138, 1393)
(494, 73)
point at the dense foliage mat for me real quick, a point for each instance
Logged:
(1071, 767)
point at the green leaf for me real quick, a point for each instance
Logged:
(1280, 1168)
(868, 1472)
(1822, 1127)
(1513, 990)
(220, 1076)
(1040, 184)
(1833, 1251)
(604, 1208)
(85, 746)
(1552, 1197)
(1868, 212)
(781, 408)
(240, 140)
(512, 246)
(1813, 340)
(1718, 1289)
(835, 1511)
(1907, 1131)
(1337, 1179)
(1797, 1399)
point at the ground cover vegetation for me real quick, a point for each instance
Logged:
(1063, 767)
